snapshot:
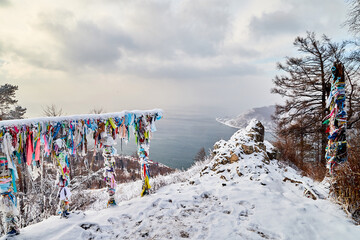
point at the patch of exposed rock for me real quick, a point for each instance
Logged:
(246, 141)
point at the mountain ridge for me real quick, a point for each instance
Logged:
(263, 114)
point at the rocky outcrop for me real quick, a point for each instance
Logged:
(246, 141)
(247, 155)
(256, 131)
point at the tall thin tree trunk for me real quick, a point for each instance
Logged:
(323, 113)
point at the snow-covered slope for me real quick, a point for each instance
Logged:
(240, 193)
(263, 114)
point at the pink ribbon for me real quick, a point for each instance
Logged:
(37, 150)
(30, 150)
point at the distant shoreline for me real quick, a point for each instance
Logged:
(224, 122)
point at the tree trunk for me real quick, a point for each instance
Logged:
(323, 113)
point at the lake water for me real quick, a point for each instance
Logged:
(180, 136)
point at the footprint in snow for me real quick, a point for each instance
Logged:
(113, 220)
(156, 202)
(265, 234)
(91, 226)
(246, 204)
(122, 216)
(245, 210)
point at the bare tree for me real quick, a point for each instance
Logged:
(52, 111)
(200, 156)
(306, 87)
(97, 110)
(353, 20)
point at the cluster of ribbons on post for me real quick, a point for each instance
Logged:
(21, 139)
(336, 150)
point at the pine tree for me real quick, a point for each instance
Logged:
(8, 104)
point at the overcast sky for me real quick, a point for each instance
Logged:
(141, 54)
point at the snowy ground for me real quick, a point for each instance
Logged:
(210, 208)
(248, 199)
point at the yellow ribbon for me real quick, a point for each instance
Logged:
(112, 123)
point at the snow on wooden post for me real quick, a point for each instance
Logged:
(21, 140)
(336, 150)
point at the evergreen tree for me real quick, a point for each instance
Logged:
(8, 104)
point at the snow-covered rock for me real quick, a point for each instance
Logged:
(236, 194)
(249, 140)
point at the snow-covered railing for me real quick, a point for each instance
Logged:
(104, 116)
(25, 133)
(23, 141)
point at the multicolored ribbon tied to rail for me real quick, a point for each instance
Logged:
(23, 141)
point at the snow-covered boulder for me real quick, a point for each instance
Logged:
(247, 141)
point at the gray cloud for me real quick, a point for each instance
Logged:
(187, 71)
(167, 28)
(87, 43)
(274, 23)
(246, 52)
(4, 3)
(221, 72)
(157, 31)
(34, 56)
(299, 17)
(202, 27)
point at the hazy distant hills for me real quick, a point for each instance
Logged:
(263, 114)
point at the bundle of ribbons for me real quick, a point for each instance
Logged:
(336, 150)
(21, 140)
(145, 172)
